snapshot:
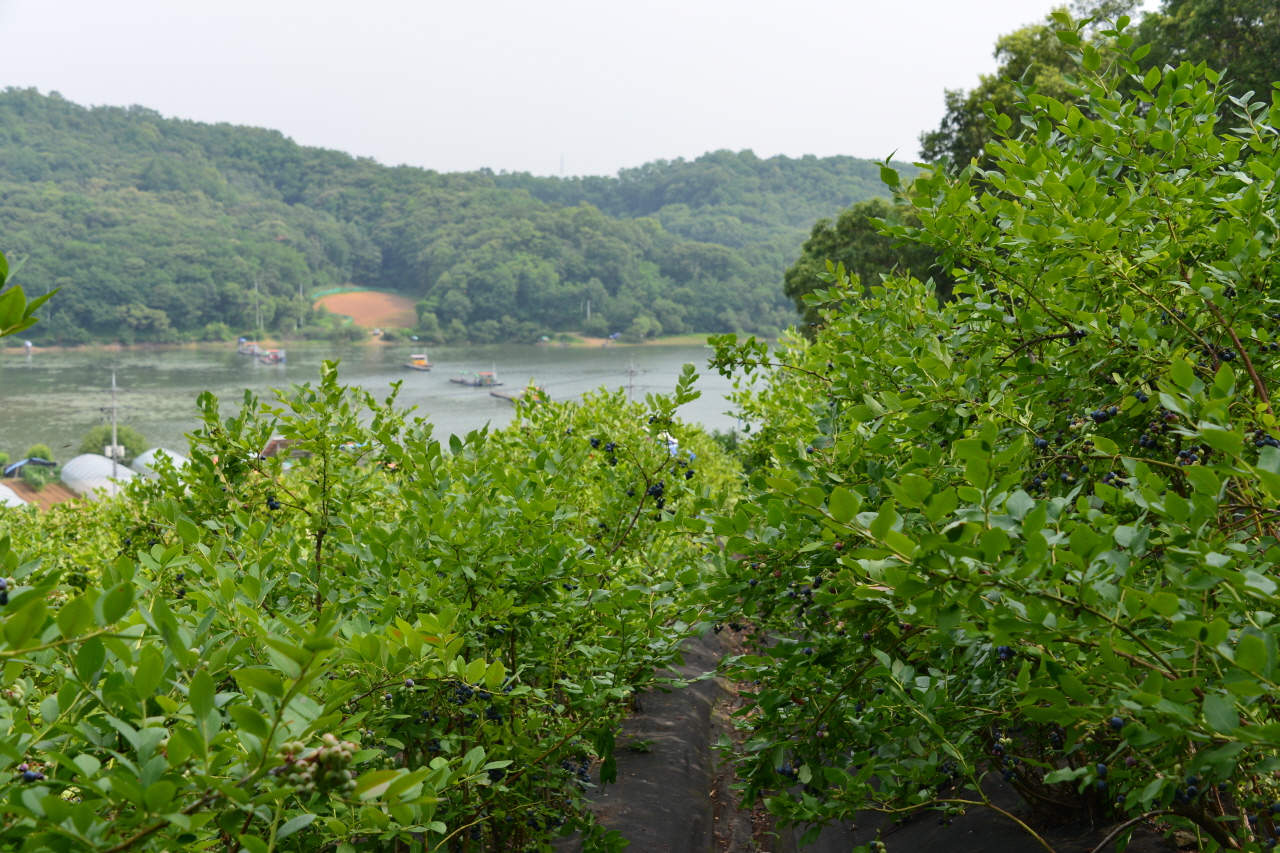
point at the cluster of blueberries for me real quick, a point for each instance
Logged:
(1188, 457)
(581, 771)
(786, 771)
(1261, 438)
(29, 773)
(6, 584)
(1101, 416)
(609, 447)
(658, 492)
(272, 503)
(464, 693)
(1006, 653)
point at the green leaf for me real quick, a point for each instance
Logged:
(201, 693)
(1090, 58)
(1228, 441)
(1251, 653)
(843, 504)
(187, 529)
(89, 659)
(250, 720)
(1220, 713)
(373, 783)
(1182, 373)
(75, 617)
(253, 844)
(22, 625)
(260, 679)
(116, 602)
(1152, 78)
(811, 496)
(294, 824)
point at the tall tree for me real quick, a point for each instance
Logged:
(854, 240)
(1241, 36)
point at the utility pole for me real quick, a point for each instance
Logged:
(588, 310)
(257, 304)
(115, 447)
(631, 381)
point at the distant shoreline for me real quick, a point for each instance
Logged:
(9, 348)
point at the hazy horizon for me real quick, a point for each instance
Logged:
(518, 88)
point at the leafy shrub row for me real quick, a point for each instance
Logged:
(365, 641)
(1030, 533)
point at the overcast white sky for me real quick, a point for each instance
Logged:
(510, 85)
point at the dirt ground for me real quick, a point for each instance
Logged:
(373, 309)
(48, 497)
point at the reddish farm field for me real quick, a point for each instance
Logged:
(373, 309)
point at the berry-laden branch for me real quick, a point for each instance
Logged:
(1076, 334)
(1258, 384)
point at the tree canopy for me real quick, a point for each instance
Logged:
(161, 229)
(1241, 37)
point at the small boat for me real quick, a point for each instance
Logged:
(272, 356)
(418, 361)
(517, 396)
(480, 380)
(249, 348)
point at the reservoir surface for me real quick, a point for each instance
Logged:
(56, 397)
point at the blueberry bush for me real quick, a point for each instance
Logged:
(1030, 533)
(366, 640)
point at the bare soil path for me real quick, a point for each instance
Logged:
(675, 795)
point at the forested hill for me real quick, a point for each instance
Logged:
(722, 197)
(158, 229)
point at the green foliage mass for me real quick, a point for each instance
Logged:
(158, 229)
(1240, 36)
(854, 243)
(40, 451)
(100, 436)
(732, 199)
(370, 642)
(1029, 532)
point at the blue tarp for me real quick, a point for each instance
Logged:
(15, 467)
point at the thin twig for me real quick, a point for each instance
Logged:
(1115, 833)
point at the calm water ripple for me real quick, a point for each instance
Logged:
(55, 397)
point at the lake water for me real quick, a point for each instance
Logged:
(56, 397)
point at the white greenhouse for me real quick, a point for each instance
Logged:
(8, 497)
(145, 462)
(95, 476)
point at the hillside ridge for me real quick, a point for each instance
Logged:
(169, 229)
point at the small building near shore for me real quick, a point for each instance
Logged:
(95, 477)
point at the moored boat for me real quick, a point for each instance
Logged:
(418, 361)
(516, 396)
(272, 356)
(479, 380)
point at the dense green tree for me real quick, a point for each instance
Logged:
(1240, 36)
(100, 436)
(1032, 55)
(854, 241)
(40, 451)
